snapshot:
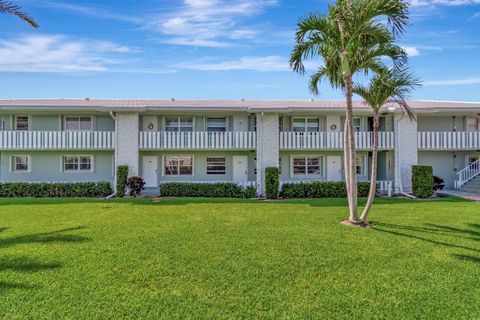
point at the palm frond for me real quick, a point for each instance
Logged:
(13, 9)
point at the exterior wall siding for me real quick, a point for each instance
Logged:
(46, 166)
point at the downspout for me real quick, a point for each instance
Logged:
(112, 114)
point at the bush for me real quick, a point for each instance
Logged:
(320, 189)
(422, 179)
(272, 182)
(55, 190)
(122, 175)
(135, 185)
(209, 190)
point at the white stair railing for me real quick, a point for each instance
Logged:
(467, 174)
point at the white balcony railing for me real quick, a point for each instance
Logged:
(449, 140)
(56, 140)
(333, 140)
(197, 140)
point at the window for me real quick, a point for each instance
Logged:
(178, 166)
(78, 123)
(357, 124)
(21, 123)
(306, 165)
(179, 124)
(360, 165)
(280, 124)
(216, 124)
(306, 125)
(77, 163)
(216, 165)
(20, 163)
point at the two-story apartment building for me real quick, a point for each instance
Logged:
(231, 140)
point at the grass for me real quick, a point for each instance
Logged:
(209, 259)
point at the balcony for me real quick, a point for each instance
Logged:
(438, 141)
(56, 140)
(333, 140)
(199, 140)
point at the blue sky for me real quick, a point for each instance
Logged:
(210, 49)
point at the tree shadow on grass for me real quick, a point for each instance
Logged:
(45, 237)
(439, 230)
(4, 286)
(26, 264)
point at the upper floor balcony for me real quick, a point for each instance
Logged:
(57, 140)
(197, 140)
(333, 140)
(438, 141)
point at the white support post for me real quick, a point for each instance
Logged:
(126, 141)
(406, 153)
(267, 146)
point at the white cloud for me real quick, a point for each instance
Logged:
(209, 23)
(57, 53)
(263, 64)
(422, 3)
(452, 82)
(475, 16)
(412, 51)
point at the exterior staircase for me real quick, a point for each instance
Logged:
(472, 186)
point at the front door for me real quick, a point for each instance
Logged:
(240, 169)
(334, 168)
(149, 170)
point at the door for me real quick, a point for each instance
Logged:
(334, 168)
(149, 170)
(240, 169)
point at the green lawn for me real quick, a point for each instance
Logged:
(209, 259)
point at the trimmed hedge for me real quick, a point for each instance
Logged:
(122, 176)
(55, 190)
(422, 181)
(208, 190)
(319, 189)
(272, 180)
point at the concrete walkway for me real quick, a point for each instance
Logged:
(461, 194)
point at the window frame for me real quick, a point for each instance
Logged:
(164, 163)
(209, 163)
(220, 117)
(178, 126)
(79, 156)
(92, 123)
(305, 124)
(13, 163)
(363, 165)
(359, 124)
(321, 166)
(29, 122)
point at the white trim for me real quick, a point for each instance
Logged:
(29, 122)
(92, 163)
(322, 165)
(92, 122)
(29, 163)
(178, 156)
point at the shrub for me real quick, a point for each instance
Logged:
(320, 189)
(271, 182)
(250, 192)
(209, 190)
(122, 175)
(55, 190)
(135, 185)
(422, 179)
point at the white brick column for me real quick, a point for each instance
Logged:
(126, 141)
(267, 146)
(406, 153)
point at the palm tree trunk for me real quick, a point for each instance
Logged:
(373, 174)
(351, 154)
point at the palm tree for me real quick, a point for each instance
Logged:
(386, 87)
(350, 39)
(13, 9)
